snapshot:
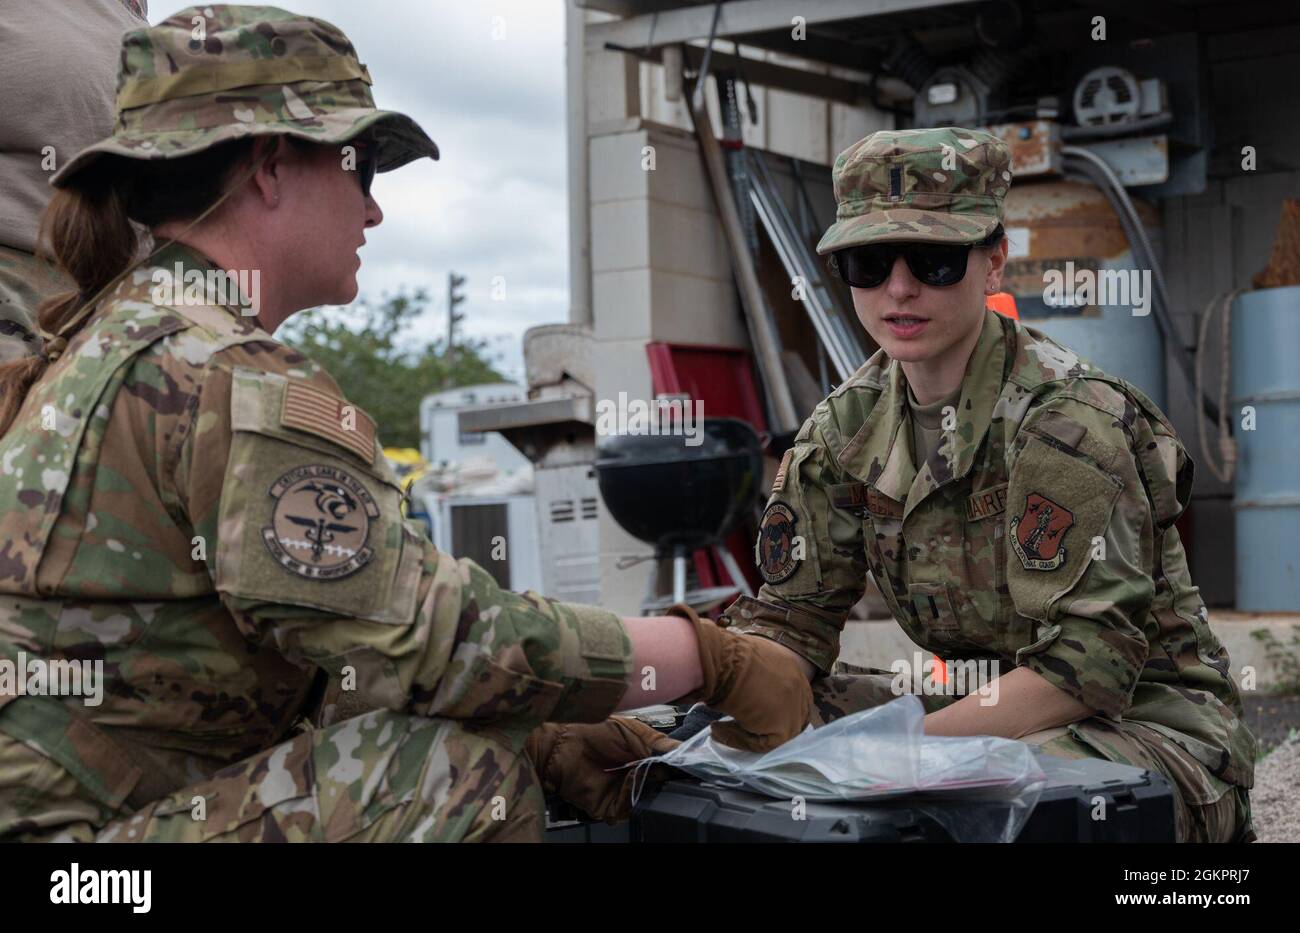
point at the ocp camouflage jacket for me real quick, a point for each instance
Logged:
(198, 507)
(1040, 533)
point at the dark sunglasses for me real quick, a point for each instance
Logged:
(933, 264)
(367, 165)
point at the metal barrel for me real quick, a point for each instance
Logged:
(1266, 414)
(1070, 228)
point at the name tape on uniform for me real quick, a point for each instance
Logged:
(855, 497)
(986, 502)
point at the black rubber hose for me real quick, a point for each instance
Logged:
(1145, 255)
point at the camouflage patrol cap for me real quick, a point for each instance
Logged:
(942, 185)
(210, 74)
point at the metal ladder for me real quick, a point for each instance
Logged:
(829, 319)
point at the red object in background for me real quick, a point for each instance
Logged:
(723, 379)
(720, 377)
(1004, 303)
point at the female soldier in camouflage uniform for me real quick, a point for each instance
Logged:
(1015, 504)
(196, 508)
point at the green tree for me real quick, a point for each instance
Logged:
(363, 347)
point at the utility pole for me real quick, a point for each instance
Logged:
(454, 298)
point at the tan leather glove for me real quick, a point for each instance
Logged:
(752, 679)
(572, 761)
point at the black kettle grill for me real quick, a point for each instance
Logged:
(680, 498)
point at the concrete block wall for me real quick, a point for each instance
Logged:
(788, 123)
(659, 272)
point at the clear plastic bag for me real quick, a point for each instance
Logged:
(979, 788)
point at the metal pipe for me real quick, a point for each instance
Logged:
(767, 344)
(697, 98)
(575, 66)
(1103, 176)
(733, 569)
(679, 575)
(1143, 125)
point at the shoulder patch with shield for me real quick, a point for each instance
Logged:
(1039, 533)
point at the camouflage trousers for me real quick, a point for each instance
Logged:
(1205, 808)
(379, 777)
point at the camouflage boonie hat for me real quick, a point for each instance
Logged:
(942, 185)
(210, 74)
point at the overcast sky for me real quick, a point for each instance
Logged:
(495, 203)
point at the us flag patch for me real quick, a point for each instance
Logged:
(307, 408)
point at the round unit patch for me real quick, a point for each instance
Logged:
(320, 523)
(776, 543)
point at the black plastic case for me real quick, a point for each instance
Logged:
(1137, 806)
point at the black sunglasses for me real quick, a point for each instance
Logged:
(367, 165)
(933, 264)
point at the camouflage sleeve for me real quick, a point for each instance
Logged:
(25, 282)
(809, 552)
(1080, 537)
(287, 484)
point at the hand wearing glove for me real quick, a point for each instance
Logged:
(572, 761)
(760, 684)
